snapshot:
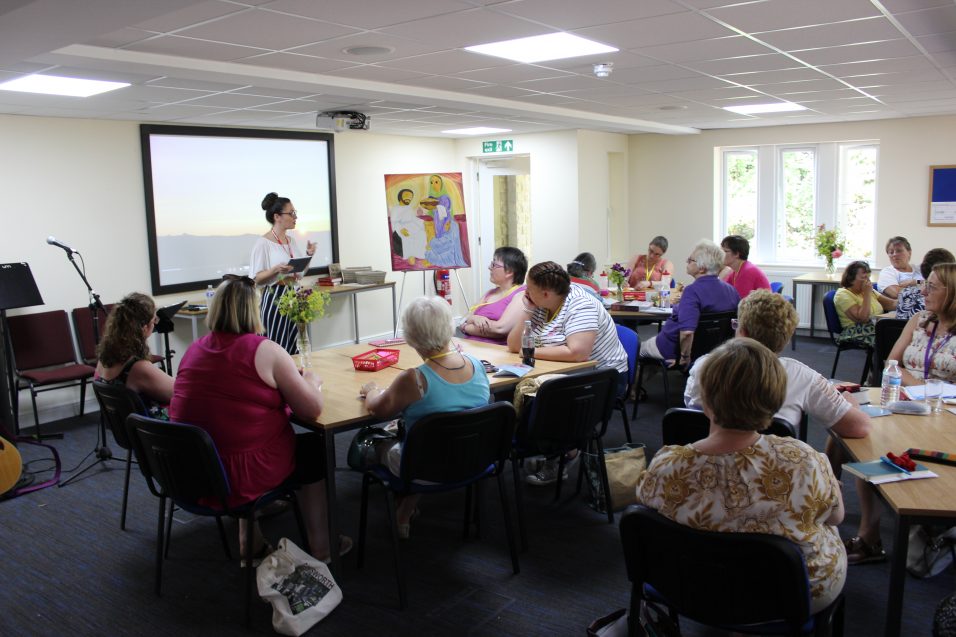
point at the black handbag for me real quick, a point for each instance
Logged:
(363, 450)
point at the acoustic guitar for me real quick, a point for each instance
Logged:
(10, 465)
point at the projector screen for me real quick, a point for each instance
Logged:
(204, 187)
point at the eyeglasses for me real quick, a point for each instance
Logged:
(691, 260)
(734, 324)
(493, 265)
(932, 287)
(294, 213)
(239, 278)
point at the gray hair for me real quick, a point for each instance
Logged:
(708, 255)
(427, 324)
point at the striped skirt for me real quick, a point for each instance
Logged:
(278, 328)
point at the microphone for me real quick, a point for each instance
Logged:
(53, 242)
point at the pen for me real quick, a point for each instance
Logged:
(894, 465)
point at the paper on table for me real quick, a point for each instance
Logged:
(918, 392)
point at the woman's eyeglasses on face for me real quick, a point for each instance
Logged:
(493, 265)
(294, 213)
(932, 287)
(691, 261)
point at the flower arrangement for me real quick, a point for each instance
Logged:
(303, 305)
(617, 274)
(830, 245)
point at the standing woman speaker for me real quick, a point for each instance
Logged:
(269, 263)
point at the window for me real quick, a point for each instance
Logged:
(776, 196)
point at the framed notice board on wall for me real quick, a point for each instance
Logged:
(942, 196)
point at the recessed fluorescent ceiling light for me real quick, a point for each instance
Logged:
(477, 130)
(539, 48)
(756, 109)
(54, 85)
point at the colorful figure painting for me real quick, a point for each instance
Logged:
(426, 221)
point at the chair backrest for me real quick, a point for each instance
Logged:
(713, 328)
(780, 427)
(83, 325)
(41, 340)
(682, 426)
(776, 287)
(689, 568)
(567, 410)
(458, 446)
(117, 402)
(630, 343)
(181, 459)
(887, 333)
(830, 312)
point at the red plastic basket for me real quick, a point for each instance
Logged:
(375, 359)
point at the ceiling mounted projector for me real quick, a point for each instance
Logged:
(340, 121)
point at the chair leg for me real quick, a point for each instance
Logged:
(159, 545)
(599, 448)
(637, 392)
(300, 522)
(667, 390)
(866, 367)
(468, 505)
(82, 396)
(36, 414)
(222, 537)
(250, 570)
(557, 488)
(519, 503)
(509, 530)
(169, 528)
(836, 360)
(363, 520)
(393, 527)
(129, 463)
(627, 422)
(479, 503)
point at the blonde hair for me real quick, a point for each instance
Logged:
(946, 273)
(235, 307)
(743, 385)
(427, 324)
(767, 318)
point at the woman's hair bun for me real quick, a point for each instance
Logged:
(269, 200)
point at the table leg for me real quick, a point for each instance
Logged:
(394, 315)
(328, 442)
(813, 307)
(194, 321)
(894, 605)
(793, 339)
(355, 315)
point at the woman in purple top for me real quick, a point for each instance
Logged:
(739, 272)
(500, 309)
(706, 294)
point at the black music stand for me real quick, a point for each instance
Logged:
(18, 288)
(164, 327)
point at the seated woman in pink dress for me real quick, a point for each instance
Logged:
(240, 387)
(650, 267)
(739, 272)
(500, 309)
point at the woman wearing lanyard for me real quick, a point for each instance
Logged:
(270, 257)
(500, 309)
(650, 267)
(927, 349)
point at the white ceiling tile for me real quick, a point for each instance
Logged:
(785, 14)
(899, 6)
(513, 73)
(564, 83)
(902, 65)
(858, 52)
(620, 59)
(295, 62)
(817, 96)
(651, 74)
(720, 95)
(447, 62)
(120, 38)
(369, 14)
(930, 21)
(666, 29)
(750, 63)
(606, 91)
(274, 92)
(574, 14)
(162, 94)
(197, 85)
(399, 47)
(181, 110)
(378, 73)
(712, 49)
(494, 90)
(466, 28)
(854, 31)
(187, 47)
(199, 12)
(939, 42)
(759, 78)
(266, 30)
(927, 96)
(446, 83)
(684, 84)
(232, 100)
(788, 88)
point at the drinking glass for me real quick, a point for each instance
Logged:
(934, 394)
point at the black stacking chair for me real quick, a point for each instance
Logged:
(446, 452)
(682, 426)
(44, 359)
(568, 413)
(117, 402)
(181, 464)
(713, 329)
(631, 345)
(835, 329)
(888, 331)
(685, 570)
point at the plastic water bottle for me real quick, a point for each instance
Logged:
(527, 345)
(892, 379)
(209, 294)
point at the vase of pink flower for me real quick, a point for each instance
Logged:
(830, 245)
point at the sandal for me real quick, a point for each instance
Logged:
(404, 530)
(259, 556)
(345, 545)
(859, 551)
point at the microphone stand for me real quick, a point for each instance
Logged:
(102, 449)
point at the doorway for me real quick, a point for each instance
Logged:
(504, 208)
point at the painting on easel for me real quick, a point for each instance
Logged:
(426, 221)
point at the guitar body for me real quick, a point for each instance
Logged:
(10, 466)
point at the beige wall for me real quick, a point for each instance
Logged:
(672, 179)
(602, 199)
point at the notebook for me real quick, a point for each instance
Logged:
(878, 472)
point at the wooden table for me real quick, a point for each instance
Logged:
(931, 500)
(817, 280)
(352, 290)
(343, 409)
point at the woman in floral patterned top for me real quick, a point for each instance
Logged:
(737, 480)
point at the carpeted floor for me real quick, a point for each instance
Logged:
(68, 569)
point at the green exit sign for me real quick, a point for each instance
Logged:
(498, 146)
